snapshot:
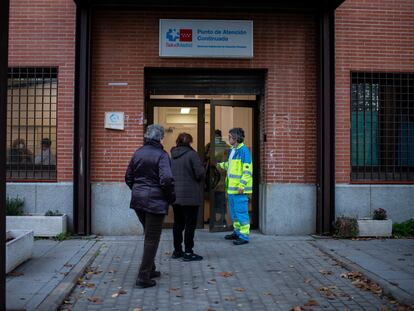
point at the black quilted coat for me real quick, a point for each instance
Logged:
(189, 173)
(150, 178)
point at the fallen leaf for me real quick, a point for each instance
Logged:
(209, 309)
(90, 285)
(94, 299)
(311, 302)
(16, 273)
(226, 274)
(240, 289)
(297, 308)
(173, 289)
(122, 292)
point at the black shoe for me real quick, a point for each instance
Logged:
(240, 242)
(192, 257)
(155, 274)
(176, 255)
(232, 236)
(144, 284)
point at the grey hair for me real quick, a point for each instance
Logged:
(237, 133)
(154, 132)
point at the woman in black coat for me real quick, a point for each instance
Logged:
(188, 172)
(150, 178)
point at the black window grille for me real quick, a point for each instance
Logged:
(382, 126)
(31, 123)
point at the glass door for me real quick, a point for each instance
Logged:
(224, 116)
(177, 117)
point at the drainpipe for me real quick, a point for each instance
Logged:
(81, 152)
(325, 213)
(4, 44)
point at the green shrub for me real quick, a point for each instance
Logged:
(346, 227)
(14, 206)
(62, 236)
(53, 213)
(380, 214)
(405, 228)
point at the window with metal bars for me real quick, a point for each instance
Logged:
(382, 126)
(31, 123)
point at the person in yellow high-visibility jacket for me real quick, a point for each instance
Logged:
(239, 183)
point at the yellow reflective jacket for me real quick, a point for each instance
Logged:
(240, 172)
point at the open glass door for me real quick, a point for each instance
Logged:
(224, 116)
(177, 117)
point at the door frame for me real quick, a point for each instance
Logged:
(254, 104)
(150, 104)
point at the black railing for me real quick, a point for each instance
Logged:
(31, 123)
(382, 126)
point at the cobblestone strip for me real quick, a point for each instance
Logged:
(266, 274)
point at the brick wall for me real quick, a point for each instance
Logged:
(42, 33)
(125, 42)
(371, 35)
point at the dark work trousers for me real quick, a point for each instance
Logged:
(185, 218)
(152, 224)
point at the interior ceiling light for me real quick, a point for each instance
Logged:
(185, 110)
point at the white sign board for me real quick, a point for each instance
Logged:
(114, 120)
(206, 38)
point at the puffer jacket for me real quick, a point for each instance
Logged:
(150, 178)
(189, 174)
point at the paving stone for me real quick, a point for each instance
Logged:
(270, 273)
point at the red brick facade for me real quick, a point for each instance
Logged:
(125, 42)
(370, 36)
(42, 33)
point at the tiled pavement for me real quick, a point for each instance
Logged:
(270, 273)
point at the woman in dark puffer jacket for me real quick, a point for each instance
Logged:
(150, 179)
(188, 172)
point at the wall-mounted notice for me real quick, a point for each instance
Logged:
(206, 38)
(114, 120)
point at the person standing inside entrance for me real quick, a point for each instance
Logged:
(150, 178)
(239, 184)
(188, 172)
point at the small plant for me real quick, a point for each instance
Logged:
(380, 214)
(14, 206)
(62, 236)
(405, 228)
(346, 227)
(53, 213)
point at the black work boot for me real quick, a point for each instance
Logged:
(240, 241)
(145, 283)
(232, 236)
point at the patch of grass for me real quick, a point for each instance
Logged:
(405, 228)
(14, 206)
(63, 236)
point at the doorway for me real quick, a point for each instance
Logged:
(208, 119)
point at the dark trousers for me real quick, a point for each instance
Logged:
(185, 218)
(152, 224)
